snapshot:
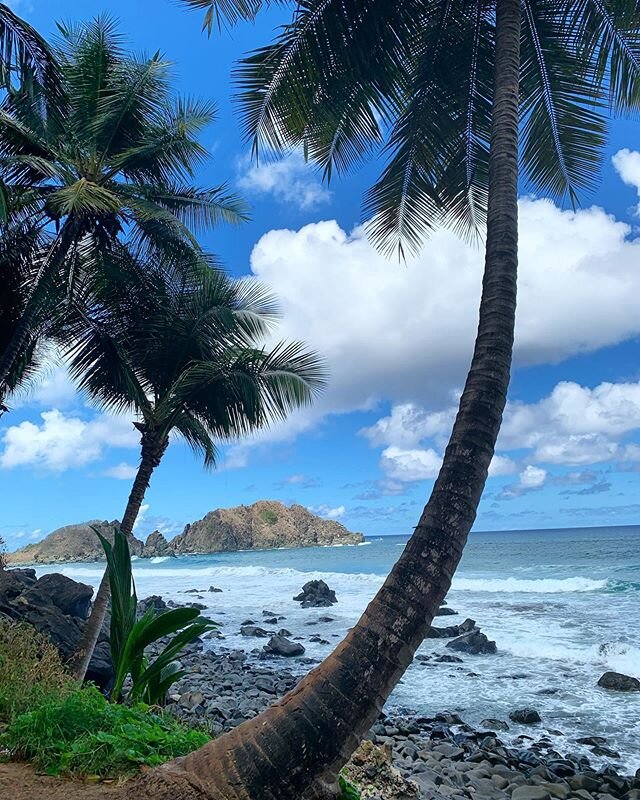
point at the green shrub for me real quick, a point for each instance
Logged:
(269, 516)
(31, 670)
(84, 734)
(3, 554)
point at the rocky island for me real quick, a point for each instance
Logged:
(263, 525)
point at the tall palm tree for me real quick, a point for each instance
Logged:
(448, 85)
(184, 356)
(108, 159)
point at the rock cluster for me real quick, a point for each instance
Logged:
(58, 607)
(466, 638)
(316, 594)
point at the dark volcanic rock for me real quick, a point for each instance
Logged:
(525, 716)
(474, 643)
(619, 682)
(57, 607)
(281, 646)
(316, 594)
(494, 724)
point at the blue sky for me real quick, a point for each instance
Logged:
(397, 338)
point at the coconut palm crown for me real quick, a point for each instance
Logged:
(108, 160)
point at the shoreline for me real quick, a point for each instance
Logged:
(441, 754)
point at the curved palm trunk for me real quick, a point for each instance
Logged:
(68, 235)
(152, 452)
(307, 736)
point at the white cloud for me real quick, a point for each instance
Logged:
(410, 465)
(52, 387)
(531, 479)
(140, 519)
(122, 471)
(328, 512)
(627, 165)
(573, 426)
(405, 332)
(290, 180)
(63, 442)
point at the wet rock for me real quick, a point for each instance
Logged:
(525, 716)
(154, 601)
(474, 643)
(214, 589)
(618, 682)
(494, 724)
(530, 793)
(281, 646)
(254, 630)
(592, 741)
(316, 594)
(445, 611)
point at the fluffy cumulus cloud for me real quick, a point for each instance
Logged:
(61, 442)
(404, 332)
(290, 180)
(571, 427)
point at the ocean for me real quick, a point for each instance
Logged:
(562, 605)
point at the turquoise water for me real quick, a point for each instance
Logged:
(562, 607)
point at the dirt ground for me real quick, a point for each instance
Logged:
(20, 782)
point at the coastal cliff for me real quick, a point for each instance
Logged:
(265, 524)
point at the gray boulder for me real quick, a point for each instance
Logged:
(281, 646)
(474, 643)
(618, 682)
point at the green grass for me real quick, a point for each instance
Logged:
(83, 734)
(31, 671)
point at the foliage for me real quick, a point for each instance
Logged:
(187, 356)
(31, 671)
(348, 791)
(150, 678)
(3, 554)
(345, 79)
(82, 733)
(101, 166)
(269, 516)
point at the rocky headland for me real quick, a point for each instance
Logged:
(264, 525)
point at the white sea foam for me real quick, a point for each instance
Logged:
(533, 586)
(159, 559)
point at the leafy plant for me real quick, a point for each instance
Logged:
(31, 670)
(129, 638)
(348, 790)
(82, 733)
(3, 554)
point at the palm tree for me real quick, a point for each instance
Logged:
(447, 84)
(183, 355)
(106, 160)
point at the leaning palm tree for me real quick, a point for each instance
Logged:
(106, 160)
(184, 356)
(445, 86)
